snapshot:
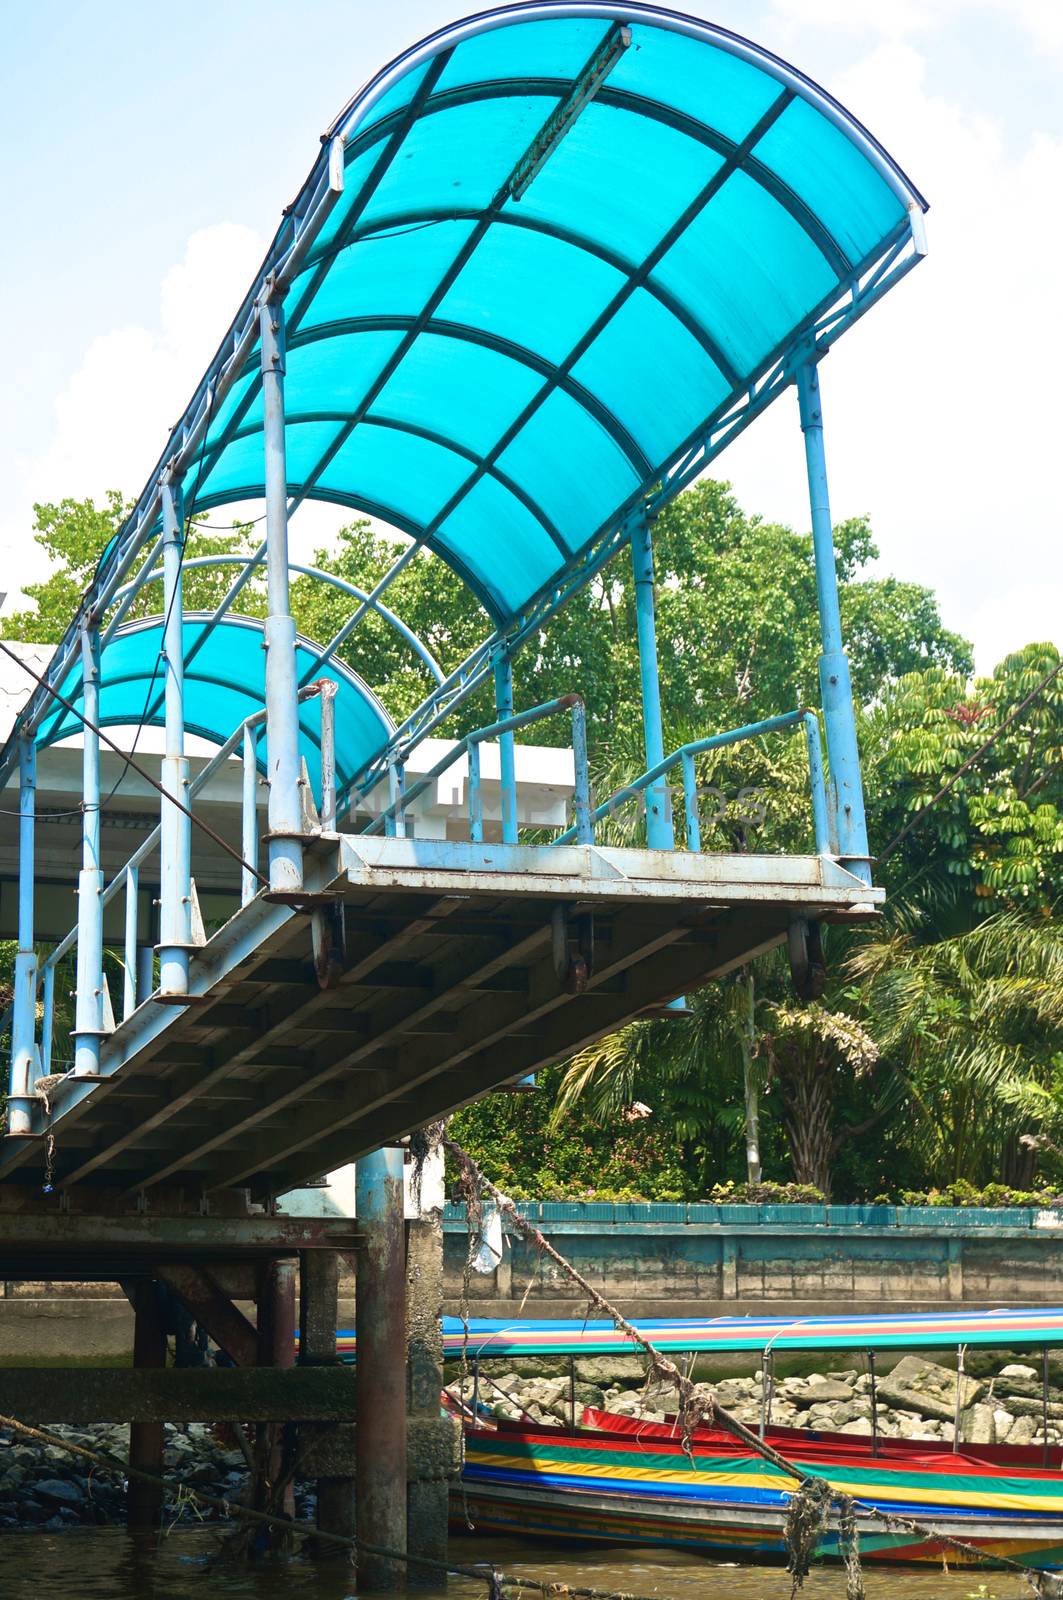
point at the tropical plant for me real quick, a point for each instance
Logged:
(973, 1025)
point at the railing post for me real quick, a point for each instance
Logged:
(581, 800)
(23, 1010)
(328, 755)
(129, 985)
(476, 806)
(282, 707)
(88, 1006)
(820, 817)
(175, 843)
(690, 802)
(395, 820)
(507, 757)
(660, 833)
(249, 824)
(835, 687)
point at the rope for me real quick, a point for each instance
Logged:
(483, 1572)
(693, 1408)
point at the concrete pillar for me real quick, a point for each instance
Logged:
(145, 1500)
(428, 1490)
(381, 1383)
(318, 1316)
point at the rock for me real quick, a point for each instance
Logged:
(57, 1492)
(824, 1391)
(1016, 1370)
(1021, 1431)
(861, 1425)
(928, 1388)
(1024, 1407)
(976, 1425)
(849, 1413)
(604, 1370)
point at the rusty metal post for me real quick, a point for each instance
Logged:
(319, 1277)
(380, 1481)
(276, 1348)
(144, 1501)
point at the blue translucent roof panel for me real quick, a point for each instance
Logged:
(224, 685)
(562, 250)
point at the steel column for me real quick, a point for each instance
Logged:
(144, 1501)
(282, 709)
(175, 890)
(380, 1492)
(88, 1007)
(249, 829)
(660, 834)
(129, 984)
(507, 756)
(23, 1011)
(836, 692)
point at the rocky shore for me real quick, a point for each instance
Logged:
(44, 1486)
(917, 1399)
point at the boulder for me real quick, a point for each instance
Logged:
(605, 1370)
(823, 1391)
(1016, 1370)
(57, 1492)
(861, 1425)
(976, 1425)
(926, 1387)
(1021, 1431)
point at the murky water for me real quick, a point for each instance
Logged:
(108, 1564)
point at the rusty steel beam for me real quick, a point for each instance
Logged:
(198, 1292)
(144, 1501)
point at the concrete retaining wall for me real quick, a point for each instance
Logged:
(858, 1259)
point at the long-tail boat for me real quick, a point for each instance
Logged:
(607, 1479)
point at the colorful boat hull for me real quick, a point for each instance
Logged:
(616, 1481)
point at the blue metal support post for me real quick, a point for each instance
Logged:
(843, 756)
(23, 1011)
(380, 1467)
(88, 1006)
(282, 709)
(175, 890)
(507, 755)
(660, 834)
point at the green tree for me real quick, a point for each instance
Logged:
(973, 1025)
(74, 535)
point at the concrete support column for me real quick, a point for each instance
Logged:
(836, 693)
(429, 1436)
(319, 1273)
(146, 1439)
(381, 1368)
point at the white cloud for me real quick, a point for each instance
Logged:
(941, 406)
(113, 416)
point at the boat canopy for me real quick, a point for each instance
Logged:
(490, 1338)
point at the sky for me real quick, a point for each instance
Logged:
(146, 153)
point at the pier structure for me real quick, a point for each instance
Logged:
(546, 265)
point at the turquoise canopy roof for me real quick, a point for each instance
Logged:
(224, 685)
(569, 236)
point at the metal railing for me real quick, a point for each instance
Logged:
(392, 820)
(684, 758)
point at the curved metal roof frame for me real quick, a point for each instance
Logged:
(548, 262)
(223, 687)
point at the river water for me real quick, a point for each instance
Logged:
(110, 1564)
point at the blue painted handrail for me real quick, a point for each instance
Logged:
(684, 758)
(392, 819)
